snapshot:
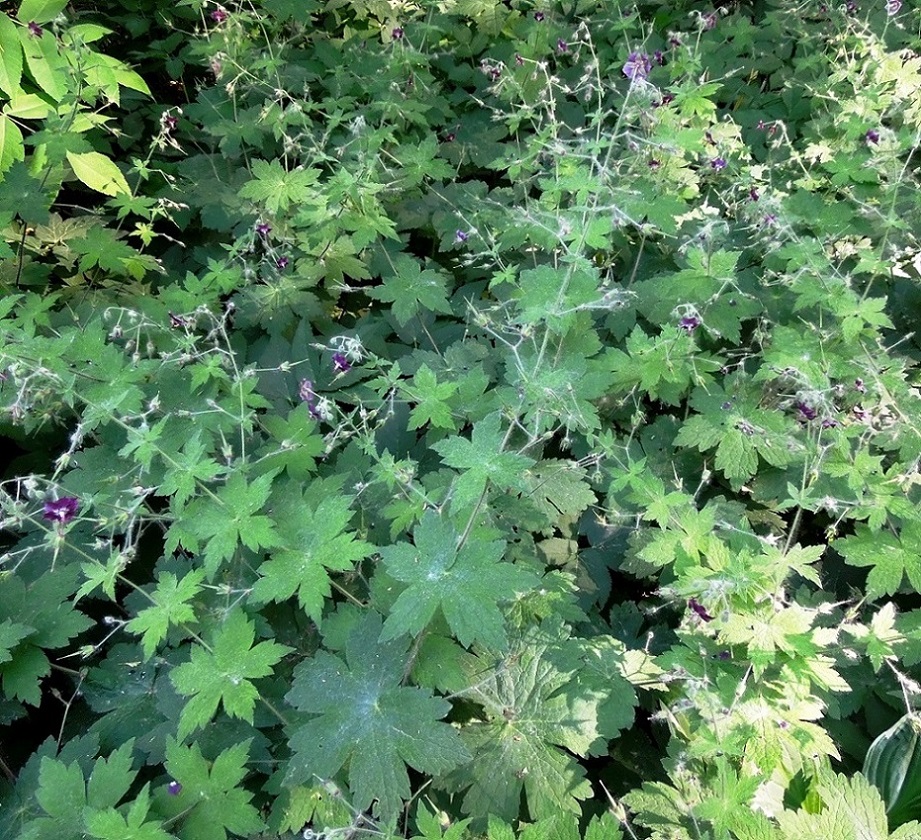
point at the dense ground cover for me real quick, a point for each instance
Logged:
(459, 419)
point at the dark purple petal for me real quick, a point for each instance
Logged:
(219, 15)
(174, 788)
(460, 236)
(397, 33)
(718, 163)
(263, 228)
(695, 605)
(872, 136)
(177, 321)
(61, 510)
(859, 386)
(806, 412)
(341, 363)
(562, 46)
(539, 17)
(281, 263)
(689, 323)
(34, 29)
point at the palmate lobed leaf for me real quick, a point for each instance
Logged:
(313, 541)
(531, 728)
(466, 584)
(367, 720)
(224, 674)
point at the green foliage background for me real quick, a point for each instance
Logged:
(483, 419)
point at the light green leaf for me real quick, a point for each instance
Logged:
(10, 57)
(98, 172)
(45, 63)
(482, 461)
(212, 803)
(224, 673)
(465, 585)
(27, 106)
(10, 635)
(411, 289)
(40, 11)
(313, 540)
(11, 145)
(528, 732)
(170, 606)
(277, 188)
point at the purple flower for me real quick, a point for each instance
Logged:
(723, 655)
(674, 41)
(219, 15)
(539, 17)
(859, 413)
(460, 236)
(851, 7)
(637, 66)
(659, 57)
(34, 29)
(169, 122)
(306, 392)
(561, 46)
(174, 788)
(177, 321)
(653, 163)
(519, 60)
(872, 136)
(341, 363)
(397, 33)
(309, 396)
(709, 20)
(829, 423)
(893, 7)
(718, 163)
(281, 263)
(859, 386)
(769, 219)
(689, 323)
(263, 228)
(695, 605)
(806, 412)
(753, 194)
(62, 510)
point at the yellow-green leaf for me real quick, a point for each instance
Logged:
(98, 172)
(46, 65)
(28, 106)
(10, 57)
(84, 33)
(11, 146)
(40, 11)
